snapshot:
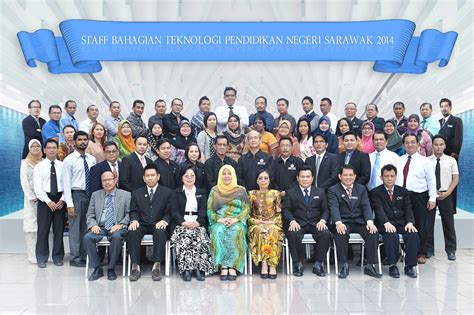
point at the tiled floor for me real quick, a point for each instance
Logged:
(443, 287)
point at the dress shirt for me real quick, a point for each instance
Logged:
(111, 124)
(430, 124)
(448, 168)
(141, 158)
(73, 174)
(197, 123)
(116, 168)
(50, 130)
(42, 179)
(333, 119)
(421, 175)
(386, 157)
(86, 125)
(66, 119)
(104, 212)
(154, 190)
(303, 190)
(138, 126)
(191, 209)
(155, 119)
(222, 113)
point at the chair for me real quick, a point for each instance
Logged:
(307, 240)
(168, 258)
(105, 243)
(400, 241)
(355, 238)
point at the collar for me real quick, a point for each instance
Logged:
(111, 193)
(321, 155)
(393, 188)
(345, 187)
(193, 190)
(446, 118)
(150, 188)
(139, 155)
(302, 189)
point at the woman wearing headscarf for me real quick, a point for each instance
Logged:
(227, 210)
(344, 125)
(235, 138)
(284, 130)
(180, 142)
(324, 128)
(368, 130)
(154, 134)
(95, 147)
(124, 139)
(394, 140)
(414, 128)
(68, 146)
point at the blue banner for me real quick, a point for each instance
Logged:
(389, 43)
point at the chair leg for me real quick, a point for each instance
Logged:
(87, 266)
(167, 258)
(327, 261)
(250, 262)
(129, 265)
(362, 256)
(336, 268)
(124, 259)
(245, 263)
(379, 258)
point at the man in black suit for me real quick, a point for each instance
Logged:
(133, 165)
(305, 210)
(110, 164)
(371, 112)
(324, 165)
(166, 167)
(351, 213)
(393, 216)
(359, 160)
(32, 125)
(285, 168)
(171, 121)
(213, 165)
(149, 214)
(351, 110)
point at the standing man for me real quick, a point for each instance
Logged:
(223, 112)
(111, 122)
(305, 211)
(49, 191)
(108, 216)
(285, 167)
(429, 123)
(324, 165)
(379, 158)
(136, 121)
(282, 107)
(92, 112)
(351, 110)
(149, 214)
(417, 175)
(261, 107)
(351, 213)
(371, 112)
(32, 125)
(160, 112)
(133, 165)
(308, 105)
(68, 118)
(172, 120)
(447, 179)
(77, 191)
(359, 160)
(326, 106)
(400, 119)
(213, 165)
(110, 164)
(451, 127)
(51, 128)
(197, 121)
(167, 168)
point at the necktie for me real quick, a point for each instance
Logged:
(114, 170)
(349, 192)
(231, 110)
(423, 123)
(142, 159)
(87, 174)
(109, 211)
(438, 175)
(375, 171)
(53, 180)
(348, 157)
(306, 196)
(390, 194)
(443, 121)
(318, 162)
(151, 195)
(405, 171)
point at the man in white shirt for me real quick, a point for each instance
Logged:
(379, 158)
(111, 122)
(49, 191)
(77, 191)
(417, 175)
(92, 114)
(326, 105)
(223, 112)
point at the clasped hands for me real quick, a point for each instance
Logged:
(161, 225)
(227, 221)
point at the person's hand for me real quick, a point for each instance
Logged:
(52, 205)
(294, 226)
(341, 228)
(222, 221)
(95, 229)
(454, 155)
(71, 211)
(371, 228)
(410, 227)
(59, 204)
(115, 228)
(231, 221)
(186, 225)
(431, 205)
(283, 193)
(442, 195)
(133, 225)
(389, 228)
(161, 225)
(321, 225)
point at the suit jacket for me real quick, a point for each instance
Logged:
(131, 176)
(355, 210)
(378, 122)
(453, 132)
(150, 212)
(398, 212)
(356, 125)
(96, 173)
(361, 163)
(97, 203)
(294, 207)
(179, 204)
(328, 170)
(30, 131)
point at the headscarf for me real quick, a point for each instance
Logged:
(125, 144)
(181, 142)
(31, 159)
(319, 131)
(152, 139)
(413, 131)
(348, 121)
(225, 194)
(394, 140)
(367, 141)
(234, 137)
(225, 189)
(283, 122)
(294, 141)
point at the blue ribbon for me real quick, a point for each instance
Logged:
(84, 43)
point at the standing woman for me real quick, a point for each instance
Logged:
(265, 226)
(193, 157)
(284, 131)
(191, 241)
(124, 139)
(180, 142)
(227, 210)
(414, 128)
(235, 138)
(67, 147)
(368, 130)
(30, 227)
(96, 145)
(154, 134)
(344, 125)
(324, 128)
(207, 137)
(394, 140)
(304, 138)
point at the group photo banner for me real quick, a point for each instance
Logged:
(390, 44)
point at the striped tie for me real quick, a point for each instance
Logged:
(87, 176)
(109, 211)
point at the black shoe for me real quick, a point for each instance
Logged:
(344, 272)
(111, 275)
(135, 275)
(77, 263)
(41, 265)
(224, 276)
(96, 274)
(186, 275)
(319, 270)
(393, 272)
(58, 263)
(451, 256)
(264, 275)
(200, 275)
(429, 255)
(370, 271)
(298, 269)
(360, 262)
(156, 274)
(411, 272)
(272, 277)
(232, 277)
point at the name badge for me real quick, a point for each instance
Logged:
(198, 196)
(261, 162)
(355, 198)
(399, 198)
(316, 197)
(450, 126)
(292, 167)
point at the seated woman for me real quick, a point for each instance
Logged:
(414, 128)
(265, 226)
(235, 137)
(394, 140)
(344, 125)
(190, 239)
(124, 139)
(154, 134)
(180, 142)
(95, 147)
(67, 147)
(324, 128)
(368, 130)
(193, 155)
(284, 130)
(227, 210)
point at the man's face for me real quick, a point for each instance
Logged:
(347, 177)
(286, 148)
(35, 109)
(425, 111)
(398, 110)
(71, 108)
(51, 151)
(111, 154)
(411, 145)
(139, 109)
(115, 109)
(141, 145)
(151, 178)
(370, 111)
(439, 146)
(230, 97)
(81, 142)
(325, 107)
(379, 142)
(254, 139)
(176, 106)
(260, 104)
(307, 106)
(108, 181)
(350, 143)
(389, 178)
(221, 146)
(160, 108)
(55, 114)
(205, 106)
(350, 110)
(445, 109)
(282, 107)
(305, 178)
(164, 151)
(93, 112)
(319, 145)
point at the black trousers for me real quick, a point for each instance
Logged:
(160, 236)
(424, 221)
(116, 240)
(391, 244)
(46, 218)
(297, 249)
(342, 243)
(446, 210)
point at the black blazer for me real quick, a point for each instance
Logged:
(361, 163)
(328, 170)
(96, 173)
(356, 210)
(150, 213)
(30, 131)
(398, 212)
(178, 205)
(294, 207)
(131, 177)
(378, 122)
(356, 125)
(201, 178)
(453, 132)
(170, 124)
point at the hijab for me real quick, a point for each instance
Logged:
(235, 137)
(319, 131)
(125, 144)
(294, 141)
(181, 142)
(413, 131)
(367, 141)
(225, 194)
(394, 140)
(31, 159)
(152, 139)
(226, 188)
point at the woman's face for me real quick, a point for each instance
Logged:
(367, 130)
(413, 123)
(233, 124)
(303, 128)
(263, 180)
(193, 153)
(98, 132)
(343, 127)
(35, 149)
(258, 125)
(69, 134)
(389, 129)
(189, 178)
(324, 126)
(126, 130)
(226, 177)
(284, 130)
(157, 130)
(211, 122)
(185, 130)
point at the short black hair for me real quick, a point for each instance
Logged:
(160, 101)
(34, 101)
(346, 167)
(376, 107)
(112, 103)
(135, 102)
(185, 169)
(162, 141)
(439, 136)
(427, 104)
(261, 96)
(380, 132)
(263, 170)
(229, 88)
(51, 140)
(204, 98)
(69, 126)
(305, 168)
(388, 168)
(67, 103)
(89, 107)
(186, 151)
(135, 141)
(399, 103)
(54, 106)
(151, 166)
(80, 133)
(446, 100)
(349, 133)
(284, 100)
(327, 99)
(260, 117)
(308, 98)
(206, 117)
(110, 143)
(221, 137)
(284, 138)
(406, 135)
(321, 136)
(177, 99)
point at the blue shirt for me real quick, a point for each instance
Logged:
(269, 120)
(67, 119)
(50, 130)
(430, 124)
